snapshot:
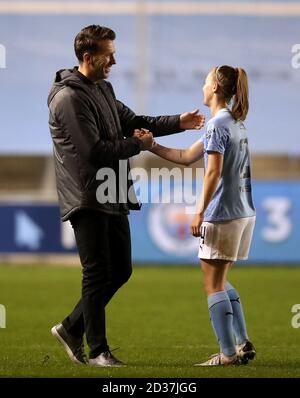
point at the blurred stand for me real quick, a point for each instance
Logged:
(32, 178)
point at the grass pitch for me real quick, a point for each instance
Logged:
(159, 319)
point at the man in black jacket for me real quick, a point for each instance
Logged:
(92, 130)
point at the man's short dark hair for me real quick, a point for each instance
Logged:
(88, 39)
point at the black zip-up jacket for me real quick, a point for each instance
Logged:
(90, 130)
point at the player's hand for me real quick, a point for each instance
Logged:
(196, 224)
(139, 132)
(147, 141)
(192, 120)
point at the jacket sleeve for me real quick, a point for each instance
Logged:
(79, 128)
(159, 125)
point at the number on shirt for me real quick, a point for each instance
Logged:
(245, 167)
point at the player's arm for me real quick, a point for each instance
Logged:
(212, 176)
(180, 156)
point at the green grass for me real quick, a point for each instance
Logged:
(159, 319)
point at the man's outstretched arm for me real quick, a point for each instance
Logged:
(159, 125)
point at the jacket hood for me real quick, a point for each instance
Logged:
(64, 78)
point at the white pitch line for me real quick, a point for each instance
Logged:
(287, 9)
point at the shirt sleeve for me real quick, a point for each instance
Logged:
(202, 138)
(217, 140)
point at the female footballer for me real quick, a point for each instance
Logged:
(226, 217)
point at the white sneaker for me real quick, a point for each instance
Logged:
(246, 352)
(220, 360)
(106, 359)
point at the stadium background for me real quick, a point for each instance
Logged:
(164, 50)
(163, 55)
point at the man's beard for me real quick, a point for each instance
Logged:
(99, 72)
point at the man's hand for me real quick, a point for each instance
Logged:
(196, 224)
(192, 120)
(145, 137)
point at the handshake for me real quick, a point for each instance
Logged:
(146, 139)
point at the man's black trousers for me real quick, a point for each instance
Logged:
(104, 247)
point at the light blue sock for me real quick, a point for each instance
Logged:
(239, 324)
(221, 315)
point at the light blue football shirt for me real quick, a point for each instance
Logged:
(233, 197)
